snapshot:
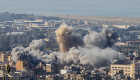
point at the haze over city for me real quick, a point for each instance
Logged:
(122, 8)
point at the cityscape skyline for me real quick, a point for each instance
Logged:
(119, 8)
(70, 40)
(35, 47)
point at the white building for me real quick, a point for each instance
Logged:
(122, 26)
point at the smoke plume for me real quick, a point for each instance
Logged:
(106, 38)
(110, 35)
(94, 39)
(32, 53)
(95, 48)
(67, 39)
(96, 52)
(95, 56)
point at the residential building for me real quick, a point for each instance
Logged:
(130, 69)
(22, 65)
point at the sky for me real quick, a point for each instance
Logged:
(122, 8)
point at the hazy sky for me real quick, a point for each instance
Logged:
(130, 8)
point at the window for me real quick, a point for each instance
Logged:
(122, 67)
(113, 67)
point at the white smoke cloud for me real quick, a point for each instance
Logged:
(94, 39)
(97, 51)
(87, 56)
(32, 53)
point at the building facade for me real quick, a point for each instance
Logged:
(21, 65)
(131, 69)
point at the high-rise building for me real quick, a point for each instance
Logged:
(22, 65)
(5, 57)
(49, 68)
(9, 58)
(2, 57)
(54, 67)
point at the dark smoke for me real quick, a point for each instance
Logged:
(111, 37)
(106, 38)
